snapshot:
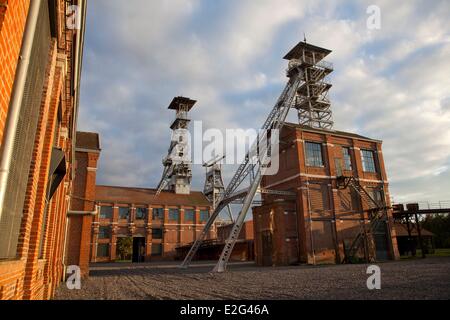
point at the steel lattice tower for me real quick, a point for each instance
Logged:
(177, 172)
(312, 101)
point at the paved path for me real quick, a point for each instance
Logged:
(412, 279)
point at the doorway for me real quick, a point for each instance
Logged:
(267, 248)
(138, 249)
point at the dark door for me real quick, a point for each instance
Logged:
(381, 243)
(138, 249)
(267, 248)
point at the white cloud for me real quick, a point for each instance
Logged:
(391, 84)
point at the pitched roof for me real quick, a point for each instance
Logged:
(88, 140)
(296, 52)
(402, 230)
(329, 131)
(147, 196)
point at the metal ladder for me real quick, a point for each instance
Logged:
(275, 120)
(375, 214)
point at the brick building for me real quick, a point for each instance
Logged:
(339, 206)
(40, 63)
(316, 224)
(155, 224)
(82, 207)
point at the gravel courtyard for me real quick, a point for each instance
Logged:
(412, 279)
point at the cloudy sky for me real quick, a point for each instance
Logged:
(391, 84)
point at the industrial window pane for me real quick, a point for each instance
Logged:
(141, 213)
(103, 250)
(347, 158)
(189, 215)
(368, 161)
(104, 233)
(156, 249)
(314, 154)
(124, 213)
(204, 215)
(157, 233)
(174, 214)
(106, 212)
(158, 214)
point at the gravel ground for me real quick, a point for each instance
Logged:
(411, 279)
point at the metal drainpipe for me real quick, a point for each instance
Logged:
(15, 104)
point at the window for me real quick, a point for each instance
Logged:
(103, 250)
(157, 233)
(174, 214)
(158, 213)
(124, 213)
(204, 215)
(156, 249)
(368, 161)
(189, 215)
(104, 233)
(347, 158)
(377, 195)
(314, 154)
(106, 212)
(141, 213)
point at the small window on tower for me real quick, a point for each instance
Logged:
(368, 161)
(347, 158)
(314, 154)
(174, 214)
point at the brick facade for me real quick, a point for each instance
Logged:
(38, 267)
(180, 220)
(80, 215)
(313, 226)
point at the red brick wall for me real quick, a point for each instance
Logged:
(13, 16)
(80, 225)
(175, 233)
(318, 197)
(36, 273)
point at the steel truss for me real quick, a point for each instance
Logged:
(252, 168)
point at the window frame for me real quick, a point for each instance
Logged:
(108, 250)
(159, 214)
(315, 159)
(171, 212)
(347, 157)
(160, 232)
(111, 213)
(100, 232)
(365, 167)
(201, 219)
(128, 213)
(190, 211)
(144, 214)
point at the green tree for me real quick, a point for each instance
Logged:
(439, 225)
(124, 248)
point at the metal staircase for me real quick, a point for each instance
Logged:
(376, 212)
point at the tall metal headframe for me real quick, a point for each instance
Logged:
(251, 169)
(312, 101)
(177, 173)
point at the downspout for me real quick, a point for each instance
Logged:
(15, 104)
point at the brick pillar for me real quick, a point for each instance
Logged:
(334, 203)
(95, 231)
(180, 227)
